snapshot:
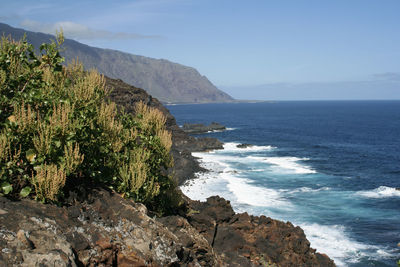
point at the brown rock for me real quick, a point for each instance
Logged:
(131, 260)
(244, 240)
(104, 244)
(24, 242)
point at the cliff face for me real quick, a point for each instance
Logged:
(168, 81)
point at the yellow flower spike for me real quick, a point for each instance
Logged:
(12, 118)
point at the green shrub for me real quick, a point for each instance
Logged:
(57, 129)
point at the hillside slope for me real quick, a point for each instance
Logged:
(165, 80)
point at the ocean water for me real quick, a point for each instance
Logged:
(331, 167)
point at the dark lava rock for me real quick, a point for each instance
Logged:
(112, 231)
(109, 231)
(201, 128)
(244, 240)
(244, 145)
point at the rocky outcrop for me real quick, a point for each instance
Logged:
(199, 128)
(104, 229)
(244, 240)
(244, 145)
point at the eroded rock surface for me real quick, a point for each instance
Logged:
(244, 240)
(105, 230)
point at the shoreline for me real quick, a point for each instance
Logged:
(333, 239)
(184, 169)
(210, 175)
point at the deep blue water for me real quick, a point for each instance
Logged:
(331, 167)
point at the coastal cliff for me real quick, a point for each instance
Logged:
(97, 227)
(74, 166)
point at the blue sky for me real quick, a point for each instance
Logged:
(237, 44)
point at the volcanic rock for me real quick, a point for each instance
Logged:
(200, 128)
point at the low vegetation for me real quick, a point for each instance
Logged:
(57, 131)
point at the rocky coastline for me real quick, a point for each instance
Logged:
(100, 228)
(199, 128)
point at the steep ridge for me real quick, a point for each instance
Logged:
(168, 81)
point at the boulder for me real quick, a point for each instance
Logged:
(245, 240)
(201, 128)
(244, 145)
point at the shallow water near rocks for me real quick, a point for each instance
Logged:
(331, 167)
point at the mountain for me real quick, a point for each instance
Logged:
(165, 80)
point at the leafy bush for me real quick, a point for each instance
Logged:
(57, 130)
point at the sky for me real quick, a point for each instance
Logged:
(238, 45)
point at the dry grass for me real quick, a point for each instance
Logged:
(72, 157)
(165, 138)
(42, 138)
(5, 149)
(134, 172)
(85, 88)
(153, 121)
(59, 119)
(107, 119)
(48, 181)
(74, 69)
(25, 117)
(3, 77)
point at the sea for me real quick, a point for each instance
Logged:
(330, 167)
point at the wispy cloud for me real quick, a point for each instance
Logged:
(81, 32)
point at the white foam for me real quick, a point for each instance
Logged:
(204, 186)
(290, 164)
(218, 158)
(224, 181)
(246, 193)
(380, 192)
(335, 242)
(232, 147)
(305, 189)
